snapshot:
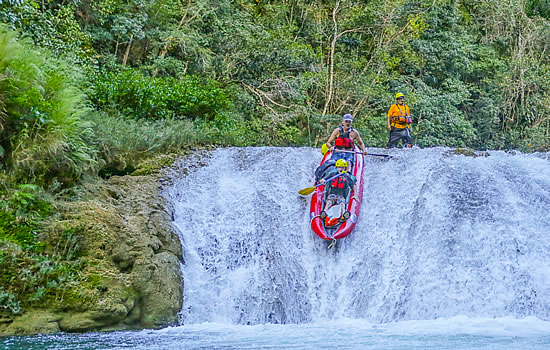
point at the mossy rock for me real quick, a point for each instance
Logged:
(467, 152)
(127, 248)
(32, 322)
(156, 164)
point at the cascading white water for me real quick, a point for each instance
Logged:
(439, 235)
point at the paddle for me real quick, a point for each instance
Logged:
(309, 190)
(368, 154)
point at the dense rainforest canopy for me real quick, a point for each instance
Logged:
(80, 77)
(98, 87)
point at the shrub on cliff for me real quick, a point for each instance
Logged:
(36, 271)
(41, 130)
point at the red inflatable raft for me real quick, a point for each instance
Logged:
(353, 206)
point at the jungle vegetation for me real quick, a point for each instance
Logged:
(95, 88)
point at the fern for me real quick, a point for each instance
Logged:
(43, 132)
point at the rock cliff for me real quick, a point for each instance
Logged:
(132, 277)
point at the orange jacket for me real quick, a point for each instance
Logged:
(398, 116)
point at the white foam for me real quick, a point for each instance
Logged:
(439, 237)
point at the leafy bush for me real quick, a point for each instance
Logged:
(42, 130)
(20, 213)
(50, 24)
(139, 96)
(35, 279)
(37, 268)
(8, 301)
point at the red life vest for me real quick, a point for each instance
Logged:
(344, 141)
(339, 182)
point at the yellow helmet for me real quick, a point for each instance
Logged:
(341, 163)
(397, 95)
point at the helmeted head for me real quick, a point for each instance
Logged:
(399, 95)
(341, 164)
(347, 118)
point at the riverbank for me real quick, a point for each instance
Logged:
(130, 277)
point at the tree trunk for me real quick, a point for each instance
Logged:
(127, 53)
(331, 59)
(181, 24)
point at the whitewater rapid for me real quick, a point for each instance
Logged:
(439, 235)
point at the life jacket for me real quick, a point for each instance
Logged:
(400, 121)
(339, 185)
(344, 141)
(339, 182)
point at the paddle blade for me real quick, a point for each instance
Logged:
(324, 148)
(306, 191)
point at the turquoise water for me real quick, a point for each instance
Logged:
(454, 333)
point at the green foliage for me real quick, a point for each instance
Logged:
(136, 95)
(37, 269)
(538, 8)
(42, 132)
(252, 73)
(8, 301)
(20, 214)
(124, 142)
(68, 244)
(35, 279)
(22, 233)
(50, 24)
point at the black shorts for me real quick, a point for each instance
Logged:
(397, 134)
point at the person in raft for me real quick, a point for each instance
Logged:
(343, 137)
(399, 123)
(338, 189)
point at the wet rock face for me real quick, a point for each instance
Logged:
(134, 255)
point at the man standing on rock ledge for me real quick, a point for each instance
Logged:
(399, 123)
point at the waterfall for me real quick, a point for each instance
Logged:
(439, 235)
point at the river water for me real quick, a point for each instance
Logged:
(450, 252)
